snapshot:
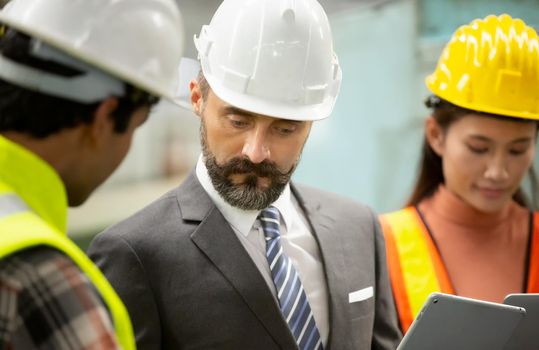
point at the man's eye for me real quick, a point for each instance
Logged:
(286, 130)
(238, 123)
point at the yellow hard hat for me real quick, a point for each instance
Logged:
(491, 65)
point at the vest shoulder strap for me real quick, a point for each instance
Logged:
(415, 266)
(533, 269)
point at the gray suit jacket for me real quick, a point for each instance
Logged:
(188, 283)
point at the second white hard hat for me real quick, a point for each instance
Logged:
(136, 41)
(272, 57)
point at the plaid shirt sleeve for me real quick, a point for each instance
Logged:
(46, 302)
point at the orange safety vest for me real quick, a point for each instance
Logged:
(416, 268)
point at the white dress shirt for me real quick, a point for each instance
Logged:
(297, 241)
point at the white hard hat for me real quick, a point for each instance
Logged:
(136, 41)
(271, 57)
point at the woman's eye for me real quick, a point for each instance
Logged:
(517, 151)
(477, 149)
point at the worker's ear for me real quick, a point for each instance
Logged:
(102, 125)
(435, 135)
(197, 101)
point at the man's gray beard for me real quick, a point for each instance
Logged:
(246, 195)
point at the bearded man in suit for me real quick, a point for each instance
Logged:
(238, 257)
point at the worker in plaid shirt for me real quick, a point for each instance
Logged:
(77, 78)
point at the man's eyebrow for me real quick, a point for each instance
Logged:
(242, 112)
(237, 111)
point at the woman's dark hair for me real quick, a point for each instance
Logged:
(40, 115)
(430, 174)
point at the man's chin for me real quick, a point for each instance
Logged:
(249, 196)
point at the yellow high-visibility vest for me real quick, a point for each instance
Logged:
(416, 268)
(33, 213)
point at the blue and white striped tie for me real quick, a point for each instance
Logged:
(292, 299)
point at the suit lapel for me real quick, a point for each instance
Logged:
(216, 239)
(323, 228)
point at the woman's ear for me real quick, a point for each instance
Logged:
(435, 135)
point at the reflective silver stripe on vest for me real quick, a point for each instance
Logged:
(11, 204)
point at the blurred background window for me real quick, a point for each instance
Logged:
(440, 18)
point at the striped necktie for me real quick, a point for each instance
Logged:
(292, 298)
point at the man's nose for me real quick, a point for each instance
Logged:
(255, 147)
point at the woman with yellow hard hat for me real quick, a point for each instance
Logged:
(467, 228)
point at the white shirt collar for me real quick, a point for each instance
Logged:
(242, 220)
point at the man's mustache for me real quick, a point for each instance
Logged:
(240, 165)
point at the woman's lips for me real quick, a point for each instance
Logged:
(490, 192)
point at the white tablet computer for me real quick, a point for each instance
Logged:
(448, 322)
(526, 335)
